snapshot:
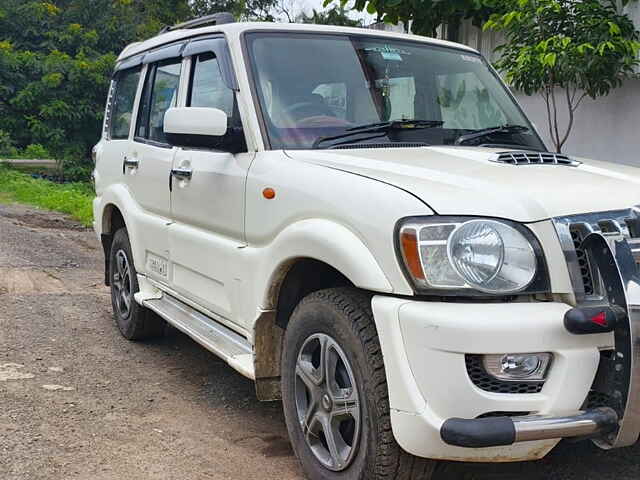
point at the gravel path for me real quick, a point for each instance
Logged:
(77, 401)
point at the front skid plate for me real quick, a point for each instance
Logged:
(616, 259)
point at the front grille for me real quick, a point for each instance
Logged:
(481, 379)
(519, 157)
(583, 263)
(572, 230)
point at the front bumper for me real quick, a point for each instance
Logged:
(424, 346)
(435, 405)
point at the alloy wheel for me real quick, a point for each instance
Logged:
(327, 402)
(122, 284)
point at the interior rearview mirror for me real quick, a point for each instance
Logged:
(195, 127)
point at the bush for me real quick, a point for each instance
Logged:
(7, 148)
(74, 165)
(36, 151)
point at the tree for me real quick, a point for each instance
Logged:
(333, 16)
(260, 10)
(425, 16)
(570, 49)
(56, 59)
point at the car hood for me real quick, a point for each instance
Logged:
(463, 181)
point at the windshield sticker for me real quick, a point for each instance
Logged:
(388, 53)
(391, 56)
(471, 58)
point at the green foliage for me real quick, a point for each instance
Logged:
(578, 48)
(7, 148)
(258, 10)
(36, 151)
(56, 59)
(74, 199)
(426, 15)
(333, 16)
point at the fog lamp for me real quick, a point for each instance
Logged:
(518, 366)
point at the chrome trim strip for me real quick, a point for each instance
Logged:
(581, 424)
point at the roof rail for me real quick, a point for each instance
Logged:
(215, 19)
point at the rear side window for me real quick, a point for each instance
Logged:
(159, 95)
(207, 86)
(126, 85)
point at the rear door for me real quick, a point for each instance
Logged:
(208, 207)
(149, 160)
(116, 141)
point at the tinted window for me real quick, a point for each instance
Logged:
(160, 93)
(126, 85)
(207, 87)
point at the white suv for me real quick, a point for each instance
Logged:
(367, 225)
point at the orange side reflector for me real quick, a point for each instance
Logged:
(409, 244)
(269, 193)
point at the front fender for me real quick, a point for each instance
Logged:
(325, 241)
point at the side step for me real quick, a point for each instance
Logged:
(215, 337)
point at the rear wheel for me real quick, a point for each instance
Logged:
(134, 321)
(334, 392)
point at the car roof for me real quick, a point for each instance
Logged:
(235, 29)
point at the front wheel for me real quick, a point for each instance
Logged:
(334, 392)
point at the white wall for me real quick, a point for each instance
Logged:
(605, 129)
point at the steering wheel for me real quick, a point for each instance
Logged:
(313, 109)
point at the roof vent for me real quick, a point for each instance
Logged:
(214, 19)
(520, 157)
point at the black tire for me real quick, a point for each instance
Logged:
(344, 316)
(134, 322)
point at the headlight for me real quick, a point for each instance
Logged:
(446, 255)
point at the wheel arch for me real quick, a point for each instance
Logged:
(307, 256)
(112, 220)
(291, 282)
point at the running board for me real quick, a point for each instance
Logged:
(215, 337)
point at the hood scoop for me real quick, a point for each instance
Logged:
(520, 157)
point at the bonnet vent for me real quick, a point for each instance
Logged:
(533, 158)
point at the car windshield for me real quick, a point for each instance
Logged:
(315, 86)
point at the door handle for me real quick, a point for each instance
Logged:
(184, 173)
(129, 163)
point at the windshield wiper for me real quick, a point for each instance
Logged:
(381, 127)
(488, 131)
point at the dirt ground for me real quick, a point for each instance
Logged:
(78, 401)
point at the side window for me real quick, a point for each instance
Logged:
(159, 95)
(334, 95)
(126, 85)
(465, 102)
(207, 88)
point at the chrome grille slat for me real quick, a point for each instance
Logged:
(522, 157)
(572, 230)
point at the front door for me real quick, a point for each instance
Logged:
(148, 167)
(207, 207)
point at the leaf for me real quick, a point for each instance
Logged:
(550, 59)
(371, 8)
(613, 28)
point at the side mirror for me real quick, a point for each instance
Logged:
(195, 127)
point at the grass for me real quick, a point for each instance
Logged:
(71, 198)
